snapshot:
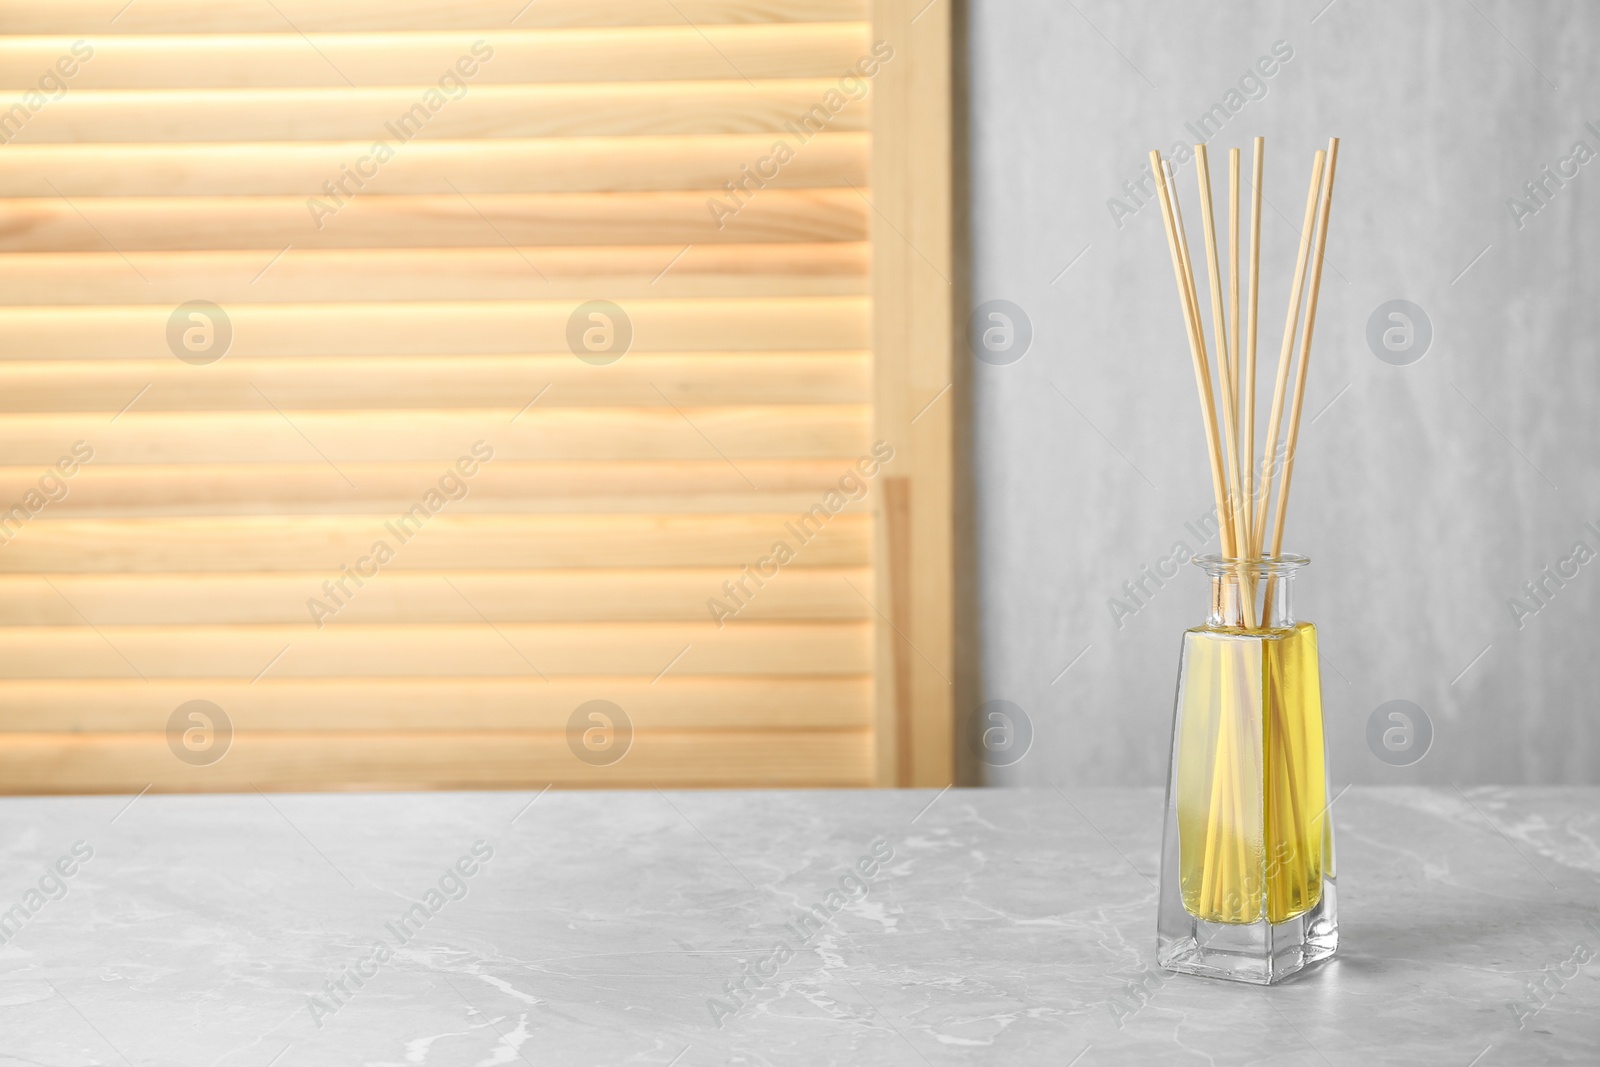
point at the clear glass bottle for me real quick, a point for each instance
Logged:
(1247, 878)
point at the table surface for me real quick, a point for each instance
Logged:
(969, 926)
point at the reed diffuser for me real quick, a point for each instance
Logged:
(1247, 878)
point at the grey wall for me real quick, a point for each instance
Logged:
(1426, 494)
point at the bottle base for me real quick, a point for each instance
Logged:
(1260, 953)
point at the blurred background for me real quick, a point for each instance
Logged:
(400, 395)
(1435, 478)
(394, 396)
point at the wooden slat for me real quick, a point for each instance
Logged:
(419, 382)
(426, 328)
(432, 165)
(566, 110)
(134, 224)
(128, 763)
(388, 488)
(918, 379)
(445, 542)
(810, 431)
(453, 57)
(341, 650)
(578, 595)
(372, 705)
(76, 17)
(624, 273)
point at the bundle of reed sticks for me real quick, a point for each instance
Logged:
(1242, 490)
(1229, 873)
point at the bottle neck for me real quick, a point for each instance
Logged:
(1246, 599)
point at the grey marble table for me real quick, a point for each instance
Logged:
(972, 926)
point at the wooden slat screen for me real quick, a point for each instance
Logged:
(393, 319)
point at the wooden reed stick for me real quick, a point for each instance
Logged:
(1305, 346)
(1240, 771)
(1249, 404)
(1226, 851)
(1296, 408)
(1230, 406)
(1197, 351)
(1212, 857)
(1190, 295)
(1269, 454)
(1233, 311)
(1279, 718)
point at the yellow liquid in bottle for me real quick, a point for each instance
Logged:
(1249, 788)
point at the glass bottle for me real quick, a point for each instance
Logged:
(1247, 878)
